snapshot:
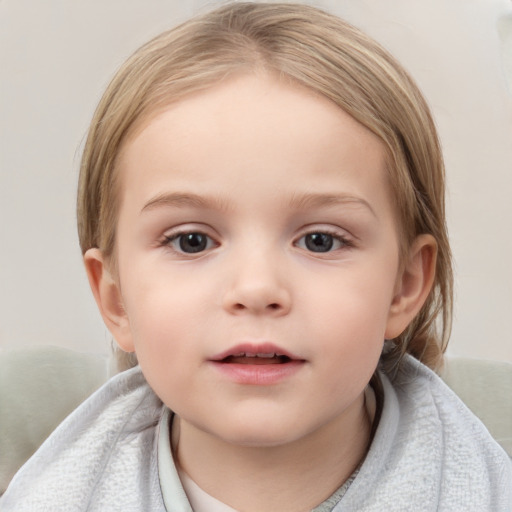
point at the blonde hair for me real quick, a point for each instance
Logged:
(312, 48)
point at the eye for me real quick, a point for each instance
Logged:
(321, 242)
(190, 243)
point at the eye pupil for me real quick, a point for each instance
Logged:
(193, 242)
(319, 242)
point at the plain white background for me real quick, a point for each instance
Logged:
(57, 56)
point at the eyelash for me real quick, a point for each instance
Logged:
(169, 241)
(343, 241)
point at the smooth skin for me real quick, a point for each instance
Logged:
(258, 212)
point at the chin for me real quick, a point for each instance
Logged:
(260, 435)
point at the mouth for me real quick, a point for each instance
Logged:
(256, 355)
(262, 364)
(244, 358)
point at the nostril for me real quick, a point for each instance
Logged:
(240, 307)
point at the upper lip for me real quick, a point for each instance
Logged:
(254, 350)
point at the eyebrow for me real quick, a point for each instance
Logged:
(299, 202)
(310, 200)
(183, 200)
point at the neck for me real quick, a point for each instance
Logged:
(275, 478)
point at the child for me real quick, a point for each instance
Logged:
(261, 206)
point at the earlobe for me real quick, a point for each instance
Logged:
(108, 298)
(413, 285)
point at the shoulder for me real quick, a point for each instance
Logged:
(430, 452)
(108, 442)
(475, 469)
(422, 393)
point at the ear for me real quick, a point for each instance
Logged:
(108, 297)
(413, 285)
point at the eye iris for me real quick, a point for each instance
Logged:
(319, 242)
(193, 242)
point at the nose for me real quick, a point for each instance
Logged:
(257, 286)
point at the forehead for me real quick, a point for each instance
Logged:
(245, 129)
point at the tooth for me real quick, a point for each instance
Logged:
(250, 355)
(271, 354)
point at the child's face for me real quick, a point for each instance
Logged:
(256, 218)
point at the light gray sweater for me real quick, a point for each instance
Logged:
(429, 453)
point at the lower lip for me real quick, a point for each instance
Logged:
(258, 374)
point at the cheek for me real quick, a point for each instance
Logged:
(351, 313)
(357, 298)
(162, 326)
(161, 313)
